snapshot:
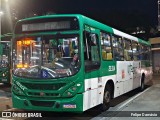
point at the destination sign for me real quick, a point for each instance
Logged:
(46, 26)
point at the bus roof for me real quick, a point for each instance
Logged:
(93, 23)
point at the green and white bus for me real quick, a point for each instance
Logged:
(72, 63)
(5, 57)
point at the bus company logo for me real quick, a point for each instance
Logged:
(123, 74)
(20, 85)
(111, 68)
(6, 114)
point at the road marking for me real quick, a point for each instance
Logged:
(15, 109)
(131, 99)
(12, 109)
(5, 119)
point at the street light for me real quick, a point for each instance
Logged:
(6, 6)
(8, 15)
(1, 13)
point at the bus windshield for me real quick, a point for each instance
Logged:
(4, 54)
(48, 56)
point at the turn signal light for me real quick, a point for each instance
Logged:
(25, 65)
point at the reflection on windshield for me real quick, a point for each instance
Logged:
(4, 53)
(46, 56)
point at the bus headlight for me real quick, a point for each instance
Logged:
(17, 90)
(72, 90)
(3, 75)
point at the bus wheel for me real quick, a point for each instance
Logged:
(106, 98)
(142, 83)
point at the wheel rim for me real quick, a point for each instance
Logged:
(107, 97)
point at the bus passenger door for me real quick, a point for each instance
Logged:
(136, 65)
(93, 83)
(136, 74)
(128, 66)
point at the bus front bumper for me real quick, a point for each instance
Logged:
(74, 104)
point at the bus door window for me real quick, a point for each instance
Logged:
(117, 44)
(140, 50)
(135, 50)
(128, 55)
(145, 53)
(91, 51)
(28, 51)
(106, 46)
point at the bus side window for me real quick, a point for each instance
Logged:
(128, 54)
(91, 51)
(135, 50)
(106, 46)
(117, 44)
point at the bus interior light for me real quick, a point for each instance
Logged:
(19, 43)
(19, 65)
(25, 65)
(22, 65)
(27, 42)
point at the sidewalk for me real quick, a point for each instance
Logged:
(156, 79)
(149, 100)
(5, 98)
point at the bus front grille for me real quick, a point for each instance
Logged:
(35, 86)
(42, 103)
(39, 94)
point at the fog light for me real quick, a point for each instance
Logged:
(17, 90)
(74, 88)
(57, 105)
(69, 94)
(25, 103)
(14, 87)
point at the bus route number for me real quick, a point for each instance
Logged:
(111, 68)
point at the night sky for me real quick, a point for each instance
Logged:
(120, 14)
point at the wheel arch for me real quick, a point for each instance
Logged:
(142, 77)
(111, 84)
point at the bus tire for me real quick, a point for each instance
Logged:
(106, 98)
(142, 83)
